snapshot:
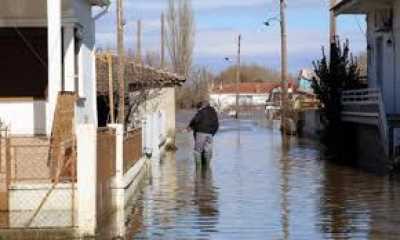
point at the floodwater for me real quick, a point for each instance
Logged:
(259, 188)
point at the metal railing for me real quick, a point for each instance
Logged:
(366, 106)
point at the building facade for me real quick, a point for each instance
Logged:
(375, 111)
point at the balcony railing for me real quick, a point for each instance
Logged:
(366, 107)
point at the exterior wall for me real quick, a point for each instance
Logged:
(86, 110)
(396, 35)
(224, 101)
(310, 123)
(23, 116)
(158, 115)
(390, 57)
(164, 103)
(371, 158)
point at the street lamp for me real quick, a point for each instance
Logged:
(238, 68)
(284, 62)
(269, 20)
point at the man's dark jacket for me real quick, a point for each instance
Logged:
(205, 121)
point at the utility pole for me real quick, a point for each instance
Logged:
(332, 23)
(162, 62)
(121, 61)
(139, 42)
(284, 67)
(238, 77)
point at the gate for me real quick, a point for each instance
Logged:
(4, 178)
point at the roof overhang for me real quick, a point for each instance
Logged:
(100, 3)
(360, 6)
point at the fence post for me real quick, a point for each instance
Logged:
(119, 154)
(87, 179)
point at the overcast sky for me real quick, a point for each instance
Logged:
(218, 22)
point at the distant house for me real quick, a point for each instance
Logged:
(250, 94)
(374, 112)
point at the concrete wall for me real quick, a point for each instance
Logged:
(310, 123)
(363, 147)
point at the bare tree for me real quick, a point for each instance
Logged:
(180, 35)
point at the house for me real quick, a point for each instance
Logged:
(151, 100)
(374, 112)
(250, 94)
(49, 114)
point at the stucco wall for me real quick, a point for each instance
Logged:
(23, 115)
(164, 101)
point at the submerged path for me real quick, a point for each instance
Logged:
(255, 189)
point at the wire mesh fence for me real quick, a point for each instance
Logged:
(29, 196)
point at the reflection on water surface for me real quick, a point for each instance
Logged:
(259, 188)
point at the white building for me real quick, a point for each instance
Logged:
(378, 106)
(250, 94)
(48, 48)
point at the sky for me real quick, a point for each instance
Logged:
(219, 22)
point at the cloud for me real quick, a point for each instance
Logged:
(219, 22)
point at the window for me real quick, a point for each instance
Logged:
(23, 64)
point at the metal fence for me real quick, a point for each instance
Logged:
(28, 159)
(29, 196)
(132, 148)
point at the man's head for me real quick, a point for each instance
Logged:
(202, 104)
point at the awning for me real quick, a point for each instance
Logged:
(360, 6)
(100, 3)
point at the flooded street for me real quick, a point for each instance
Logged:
(256, 189)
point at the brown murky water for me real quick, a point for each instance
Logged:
(257, 189)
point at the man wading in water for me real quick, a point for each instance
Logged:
(205, 125)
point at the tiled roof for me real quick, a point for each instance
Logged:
(245, 88)
(100, 2)
(136, 75)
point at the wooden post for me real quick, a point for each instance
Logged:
(121, 61)
(139, 42)
(111, 88)
(162, 62)
(284, 67)
(238, 77)
(332, 23)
